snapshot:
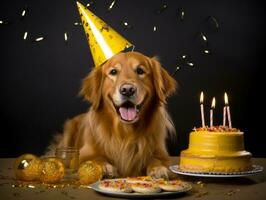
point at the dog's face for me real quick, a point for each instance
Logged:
(127, 84)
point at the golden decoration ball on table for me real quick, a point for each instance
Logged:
(90, 172)
(52, 170)
(26, 167)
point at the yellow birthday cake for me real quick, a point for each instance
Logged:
(216, 149)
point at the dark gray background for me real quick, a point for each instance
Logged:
(39, 82)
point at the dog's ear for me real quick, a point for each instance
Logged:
(164, 84)
(91, 87)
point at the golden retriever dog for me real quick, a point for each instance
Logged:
(127, 124)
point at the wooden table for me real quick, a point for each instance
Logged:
(252, 187)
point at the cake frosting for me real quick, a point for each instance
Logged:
(215, 149)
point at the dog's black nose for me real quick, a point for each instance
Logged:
(127, 90)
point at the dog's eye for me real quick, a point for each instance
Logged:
(113, 72)
(140, 71)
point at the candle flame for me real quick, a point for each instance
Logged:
(201, 97)
(213, 103)
(225, 98)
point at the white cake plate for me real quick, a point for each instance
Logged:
(255, 169)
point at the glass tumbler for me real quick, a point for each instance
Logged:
(70, 158)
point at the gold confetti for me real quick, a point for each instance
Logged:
(65, 36)
(184, 56)
(203, 37)
(199, 182)
(25, 35)
(23, 13)
(176, 70)
(89, 4)
(39, 39)
(190, 64)
(206, 51)
(111, 5)
(77, 23)
(3, 22)
(31, 186)
(126, 24)
(181, 14)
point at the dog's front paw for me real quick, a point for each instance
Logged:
(159, 172)
(110, 171)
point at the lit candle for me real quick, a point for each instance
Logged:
(211, 111)
(224, 116)
(227, 109)
(202, 109)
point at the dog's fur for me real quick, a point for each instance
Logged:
(124, 148)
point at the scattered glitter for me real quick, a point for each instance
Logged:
(155, 28)
(31, 186)
(111, 5)
(201, 193)
(1, 184)
(1, 22)
(77, 23)
(65, 36)
(25, 35)
(16, 194)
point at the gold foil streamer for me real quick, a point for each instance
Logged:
(111, 5)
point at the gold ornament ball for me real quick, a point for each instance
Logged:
(90, 172)
(52, 170)
(26, 167)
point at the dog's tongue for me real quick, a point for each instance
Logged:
(128, 113)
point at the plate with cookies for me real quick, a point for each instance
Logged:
(140, 187)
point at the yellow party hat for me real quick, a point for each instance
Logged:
(104, 41)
